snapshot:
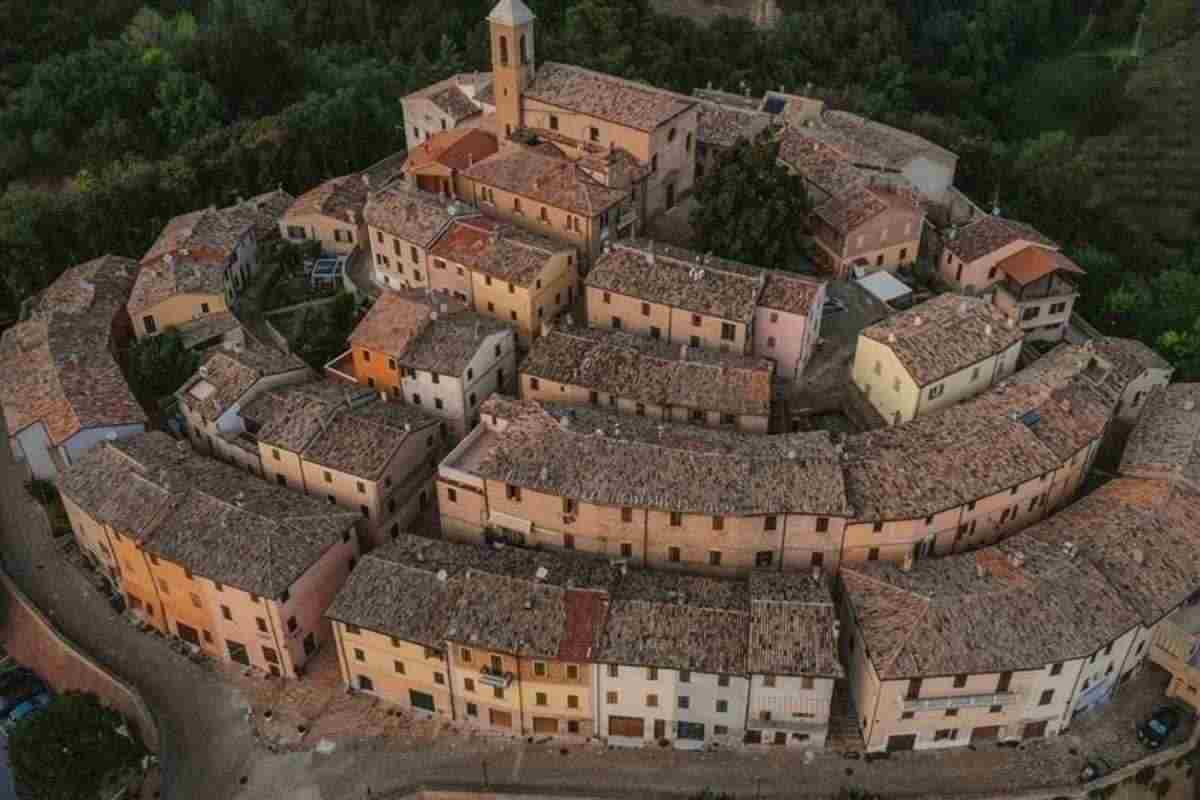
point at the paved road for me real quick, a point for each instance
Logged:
(207, 741)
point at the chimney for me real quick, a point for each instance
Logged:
(1189, 405)
(1017, 559)
(980, 571)
(909, 558)
(444, 308)
(987, 329)
(917, 321)
(545, 330)
(1139, 556)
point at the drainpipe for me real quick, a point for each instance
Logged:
(520, 695)
(343, 662)
(782, 544)
(450, 681)
(272, 609)
(154, 585)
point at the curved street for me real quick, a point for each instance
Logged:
(206, 739)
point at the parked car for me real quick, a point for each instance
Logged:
(18, 693)
(1159, 727)
(27, 709)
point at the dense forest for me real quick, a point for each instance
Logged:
(117, 114)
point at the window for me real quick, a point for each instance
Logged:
(907, 715)
(687, 146)
(439, 679)
(697, 320)
(673, 555)
(607, 297)
(685, 676)
(469, 684)
(722, 706)
(873, 554)
(365, 683)
(770, 342)
(359, 655)
(727, 332)
(610, 698)
(652, 701)
(472, 710)
(807, 682)
(1031, 313)
(914, 689)
(539, 699)
(262, 624)
(626, 550)
(654, 163)
(539, 668)
(1003, 682)
(937, 391)
(626, 515)
(877, 527)
(718, 523)
(594, 133)
(1047, 698)
(544, 215)
(613, 670)
(513, 493)
(1058, 308)
(616, 323)
(149, 323)
(685, 701)
(226, 613)
(553, 122)
(568, 541)
(645, 309)
(945, 735)
(714, 558)
(572, 672)
(951, 712)
(572, 701)
(534, 383)
(594, 398)
(769, 523)
(822, 524)
(995, 709)
(504, 51)
(452, 495)
(960, 681)
(1056, 669)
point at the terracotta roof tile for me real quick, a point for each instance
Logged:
(988, 233)
(336, 197)
(414, 216)
(556, 182)
(723, 126)
(225, 376)
(635, 105)
(212, 234)
(1032, 263)
(497, 249)
(944, 335)
(174, 275)
(1129, 356)
(793, 626)
(1166, 440)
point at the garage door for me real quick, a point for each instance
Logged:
(896, 744)
(545, 725)
(626, 726)
(500, 719)
(985, 733)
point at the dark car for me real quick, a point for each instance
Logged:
(1159, 727)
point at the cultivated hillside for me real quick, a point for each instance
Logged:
(1150, 165)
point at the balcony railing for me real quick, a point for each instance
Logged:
(497, 680)
(961, 701)
(1056, 287)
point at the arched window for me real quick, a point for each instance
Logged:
(524, 51)
(504, 51)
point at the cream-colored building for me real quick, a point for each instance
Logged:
(432, 353)
(646, 378)
(330, 214)
(403, 224)
(1142, 371)
(455, 102)
(506, 273)
(934, 355)
(1038, 291)
(971, 253)
(349, 447)
(698, 300)
(238, 568)
(227, 380)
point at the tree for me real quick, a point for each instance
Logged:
(752, 209)
(71, 749)
(158, 365)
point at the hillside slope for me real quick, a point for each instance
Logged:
(1149, 167)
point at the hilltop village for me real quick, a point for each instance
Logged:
(555, 484)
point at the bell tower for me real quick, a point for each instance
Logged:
(511, 26)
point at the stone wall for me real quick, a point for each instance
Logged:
(34, 641)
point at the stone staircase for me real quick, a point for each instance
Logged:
(845, 733)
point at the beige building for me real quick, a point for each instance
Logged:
(197, 267)
(1017, 640)
(350, 448)
(971, 253)
(647, 491)
(934, 355)
(455, 102)
(236, 567)
(213, 400)
(430, 353)
(1140, 369)
(698, 300)
(637, 375)
(62, 389)
(586, 113)
(403, 224)
(331, 214)
(506, 273)
(861, 220)
(1037, 292)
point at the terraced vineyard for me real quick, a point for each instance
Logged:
(1150, 166)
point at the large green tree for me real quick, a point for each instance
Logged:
(158, 365)
(752, 209)
(70, 749)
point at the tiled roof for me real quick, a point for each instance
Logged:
(634, 105)
(1033, 263)
(205, 515)
(1129, 356)
(678, 621)
(793, 626)
(392, 598)
(848, 209)
(174, 275)
(263, 211)
(649, 371)
(509, 614)
(211, 234)
(437, 335)
(58, 365)
(357, 433)
(817, 162)
(494, 248)
(556, 182)
(225, 376)
(1166, 440)
(944, 335)
(987, 234)
(791, 293)
(681, 472)
(742, 102)
(693, 281)
(337, 197)
(447, 95)
(723, 126)
(197, 332)
(455, 149)
(412, 215)
(873, 142)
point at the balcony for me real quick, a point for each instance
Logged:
(496, 680)
(961, 701)
(788, 724)
(1049, 288)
